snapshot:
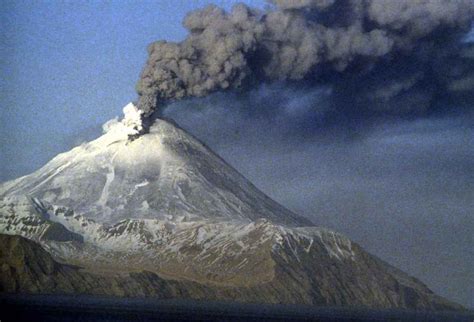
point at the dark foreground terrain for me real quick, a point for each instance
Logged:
(88, 308)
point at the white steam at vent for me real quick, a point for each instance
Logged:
(131, 124)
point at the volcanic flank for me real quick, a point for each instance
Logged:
(164, 216)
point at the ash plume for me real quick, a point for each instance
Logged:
(381, 56)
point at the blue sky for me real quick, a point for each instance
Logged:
(69, 66)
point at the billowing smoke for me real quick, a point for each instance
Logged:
(381, 56)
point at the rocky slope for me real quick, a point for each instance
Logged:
(27, 268)
(164, 216)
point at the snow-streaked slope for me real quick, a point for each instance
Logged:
(239, 260)
(165, 174)
(189, 249)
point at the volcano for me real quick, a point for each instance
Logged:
(164, 216)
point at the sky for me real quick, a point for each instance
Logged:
(402, 187)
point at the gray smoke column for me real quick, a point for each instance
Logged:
(213, 57)
(336, 42)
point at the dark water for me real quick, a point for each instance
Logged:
(82, 308)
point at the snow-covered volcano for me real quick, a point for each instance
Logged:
(166, 174)
(162, 215)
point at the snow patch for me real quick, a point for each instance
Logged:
(109, 178)
(145, 206)
(142, 184)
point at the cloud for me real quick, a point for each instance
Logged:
(377, 53)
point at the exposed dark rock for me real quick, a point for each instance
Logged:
(27, 268)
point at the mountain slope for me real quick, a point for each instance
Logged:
(163, 216)
(164, 174)
(27, 268)
(215, 260)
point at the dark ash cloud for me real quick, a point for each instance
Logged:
(377, 51)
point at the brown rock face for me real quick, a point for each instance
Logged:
(27, 268)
